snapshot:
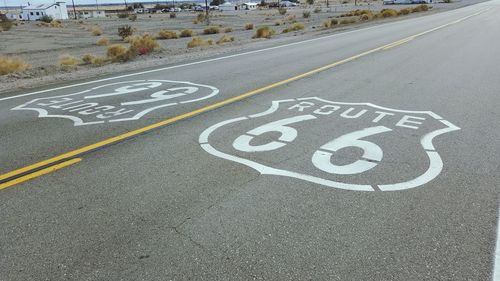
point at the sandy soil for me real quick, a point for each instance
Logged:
(42, 46)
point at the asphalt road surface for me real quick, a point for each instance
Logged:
(366, 155)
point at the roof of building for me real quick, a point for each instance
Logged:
(40, 6)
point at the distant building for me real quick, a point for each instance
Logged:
(86, 14)
(227, 6)
(249, 6)
(56, 11)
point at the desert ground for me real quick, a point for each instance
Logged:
(43, 46)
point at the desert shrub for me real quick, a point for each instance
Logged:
(306, 14)
(210, 42)
(56, 24)
(118, 53)
(278, 23)
(264, 32)
(387, 13)
(132, 17)
(317, 10)
(122, 15)
(249, 26)
(348, 21)
(404, 11)
(125, 31)
(46, 19)
(11, 65)
(144, 44)
(282, 11)
(93, 60)
(211, 30)
(330, 23)
(68, 60)
(420, 8)
(87, 58)
(200, 17)
(186, 33)
(228, 29)
(366, 17)
(290, 18)
(225, 39)
(104, 41)
(196, 42)
(98, 61)
(173, 15)
(168, 34)
(357, 12)
(96, 30)
(294, 27)
(5, 23)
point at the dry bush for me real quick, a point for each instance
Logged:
(125, 31)
(96, 30)
(211, 30)
(132, 17)
(196, 42)
(67, 60)
(12, 64)
(249, 26)
(173, 15)
(122, 15)
(210, 42)
(317, 10)
(306, 14)
(290, 18)
(144, 44)
(88, 59)
(278, 23)
(228, 29)
(118, 53)
(200, 17)
(225, 39)
(420, 8)
(282, 11)
(264, 32)
(46, 19)
(366, 17)
(357, 12)
(56, 24)
(98, 61)
(387, 13)
(5, 23)
(330, 23)
(168, 34)
(104, 41)
(294, 27)
(187, 33)
(348, 21)
(404, 11)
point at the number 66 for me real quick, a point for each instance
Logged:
(321, 158)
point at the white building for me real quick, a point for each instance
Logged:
(56, 11)
(227, 6)
(86, 14)
(249, 6)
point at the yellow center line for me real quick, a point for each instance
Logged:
(136, 132)
(39, 173)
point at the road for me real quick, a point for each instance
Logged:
(371, 154)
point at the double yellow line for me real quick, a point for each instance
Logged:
(72, 157)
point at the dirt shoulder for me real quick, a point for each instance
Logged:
(42, 46)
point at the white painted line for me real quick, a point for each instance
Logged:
(229, 56)
(496, 266)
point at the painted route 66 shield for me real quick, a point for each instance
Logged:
(116, 102)
(354, 146)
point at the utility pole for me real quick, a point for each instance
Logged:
(126, 7)
(206, 12)
(96, 5)
(74, 9)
